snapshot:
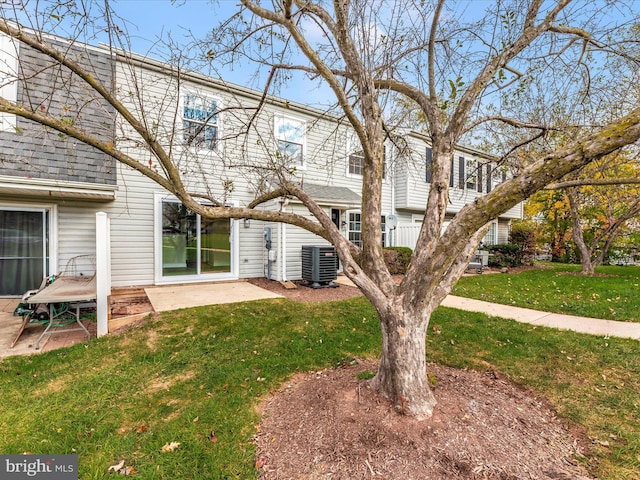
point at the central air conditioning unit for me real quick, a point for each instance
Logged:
(319, 265)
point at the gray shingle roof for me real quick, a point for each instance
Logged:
(329, 195)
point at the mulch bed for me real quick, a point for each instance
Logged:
(330, 425)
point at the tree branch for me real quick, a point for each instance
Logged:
(593, 181)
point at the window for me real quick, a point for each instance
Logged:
(429, 164)
(290, 137)
(356, 163)
(498, 175)
(8, 84)
(491, 238)
(384, 231)
(24, 249)
(200, 121)
(471, 176)
(355, 229)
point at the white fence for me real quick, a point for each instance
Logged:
(406, 235)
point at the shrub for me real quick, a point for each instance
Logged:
(505, 255)
(523, 234)
(397, 259)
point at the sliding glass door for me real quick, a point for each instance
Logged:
(24, 252)
(193, 246)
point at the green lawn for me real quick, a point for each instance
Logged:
(613, 294)
(195, 376)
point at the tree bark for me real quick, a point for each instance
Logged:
(402, 374)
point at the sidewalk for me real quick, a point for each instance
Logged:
(591, 326)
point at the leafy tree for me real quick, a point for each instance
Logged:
(464, 73)
(550, 208)
(590, 211)
(600, 213)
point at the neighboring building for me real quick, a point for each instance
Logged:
(52, 186)
(49, 183)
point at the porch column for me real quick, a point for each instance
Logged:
(103, 272)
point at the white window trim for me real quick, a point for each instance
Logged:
(8, 84)
(219, 120)
(386, 233)
(350, 174)
(280, 118)
(354, 147)
(492, 229)
(159, 279)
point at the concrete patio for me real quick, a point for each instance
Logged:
(160, 299)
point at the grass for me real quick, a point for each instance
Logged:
(613, 294)
(195, 377)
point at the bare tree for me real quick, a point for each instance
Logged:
(462, 77)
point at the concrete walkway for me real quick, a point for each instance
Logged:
(591, 326)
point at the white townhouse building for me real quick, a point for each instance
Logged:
(52, 186)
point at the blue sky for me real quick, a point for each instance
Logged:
(149, 19)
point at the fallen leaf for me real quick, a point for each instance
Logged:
(141, 429)
(117, 467)
(170, 447)
(129, 470)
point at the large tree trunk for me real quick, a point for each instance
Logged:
(588, 267)
(402, 374)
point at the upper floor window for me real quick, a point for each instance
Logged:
(472, 172)
(8, 85)
(290, 138)
(200, 121)
(356, 163)
(498, 175)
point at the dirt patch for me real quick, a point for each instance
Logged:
(304, 293)
(331, 425)
(165, 383)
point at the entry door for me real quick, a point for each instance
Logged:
(193, 246)
(24, 255)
